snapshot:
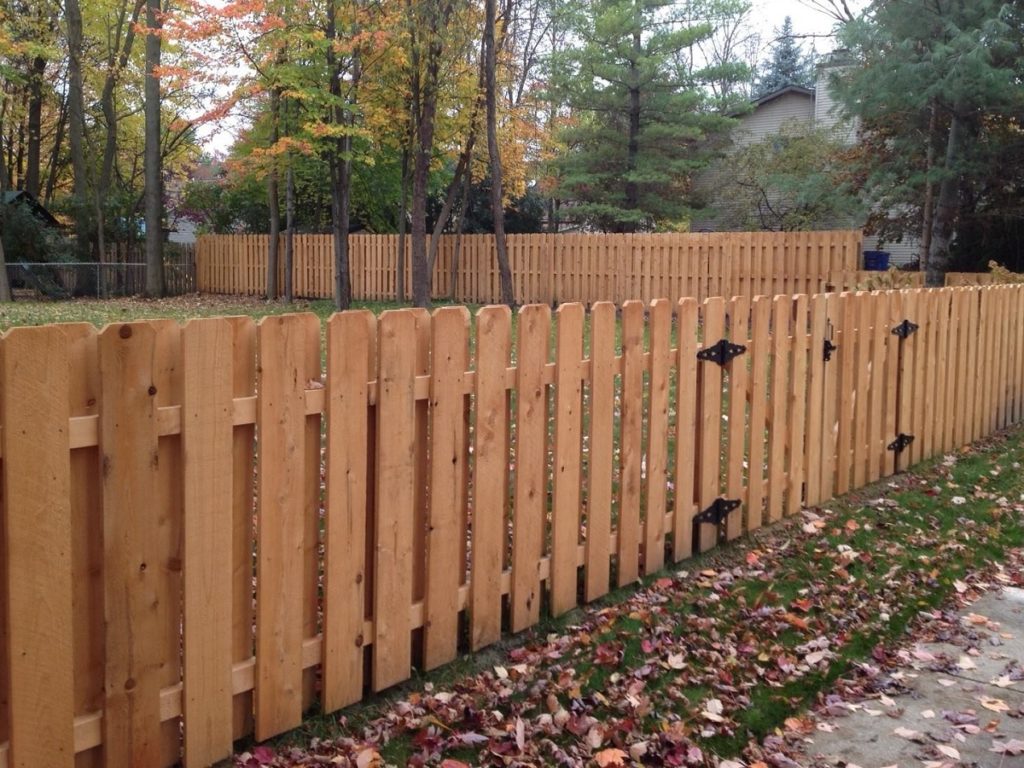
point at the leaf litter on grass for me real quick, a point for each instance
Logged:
(713, 663)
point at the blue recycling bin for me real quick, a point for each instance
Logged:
(876, 261)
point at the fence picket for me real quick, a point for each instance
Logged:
(446, 538)
(490, 474)
(281, 416)
(601, 449)
(710, 421)
(565, 513)
(35, 403)
(351, 364)
(395, 499)
(782, 308)
(206, 436)
(631, 441)
(531, 464)
(657, 435)
(739, 312)
(131, 524)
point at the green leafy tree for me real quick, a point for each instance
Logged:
(794, 180)
(936, 88)
(639, 113)
(788, 64)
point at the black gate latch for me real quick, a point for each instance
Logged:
(901, 442)
(721, 352)
(829, 349)
(904, 329)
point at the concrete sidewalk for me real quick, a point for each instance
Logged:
(957, 701)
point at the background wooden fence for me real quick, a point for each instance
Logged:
(131, 474)
(557, 268)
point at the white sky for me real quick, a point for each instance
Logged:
(768, 15)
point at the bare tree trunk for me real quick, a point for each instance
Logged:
(153, 159)
(494, 153)
(453, 282)
(58, 141)
(944, 223)
(403, 215)
(76, 127)
(928, 209)
(289, 243)
(341, 164)
(449, 201)
(273, 243)
(5, 285)
(35, 122)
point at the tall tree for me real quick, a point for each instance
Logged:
(154, 192)
(935, 87)
(76, 126)
(788, 65)
(494, 151)
(640, 118)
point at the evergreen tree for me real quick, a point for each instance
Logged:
(936, 90)
(639, 113)
(788, 65)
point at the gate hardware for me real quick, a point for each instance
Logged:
(901, 442)
(721, 352)
(829, 349)
(904, 329)
(715, 515)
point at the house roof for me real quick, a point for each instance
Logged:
(21, 197)
(797, 89)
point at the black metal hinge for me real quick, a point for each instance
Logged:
(829, 349)
(904, 329)
(715, 515)
(901, 442)
(721, 352)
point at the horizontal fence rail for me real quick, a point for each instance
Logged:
(553, 269)
(206, 528)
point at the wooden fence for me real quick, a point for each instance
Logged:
(548, 467)
(552, 269)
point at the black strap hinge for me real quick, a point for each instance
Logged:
(829, 349)
(904, 329)
(715, 515)
(901, 443)
(721, 352)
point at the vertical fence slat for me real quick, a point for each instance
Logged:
(529, 510)
(445, 539)
(601, 449)
(880, 394)
(243, 496)
(686, 429)
(490, 474)
(281, 417)
(758, 411)
(206, 437)
(739, 312)
(351, 364)
(128, 446)
(709, 458)
(34, 397)
(565, 513)
(657, 435)
(797, 406)
(631, 441)
(862, 416)
(782, 308)
(815, 399)
(395, 498)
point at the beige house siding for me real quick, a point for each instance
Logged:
(767, 118)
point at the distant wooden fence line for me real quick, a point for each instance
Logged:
(553, 269)
(133, 459)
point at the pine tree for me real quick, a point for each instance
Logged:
(639, 113)
(788, 65)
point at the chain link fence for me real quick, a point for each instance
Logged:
(100, 280)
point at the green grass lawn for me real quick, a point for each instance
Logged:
(716, 653)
